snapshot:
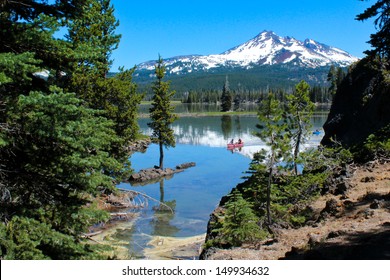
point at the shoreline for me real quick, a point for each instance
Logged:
(359, 228)
(119, 250)
(218, 114)
(174, 248)
(158, 248)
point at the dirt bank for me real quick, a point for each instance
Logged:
(358, 228)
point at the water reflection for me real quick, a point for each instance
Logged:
(163, 214)
(237, 123)
(218, 131)
(226, 126)
(211, 131)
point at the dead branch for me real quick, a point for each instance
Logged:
(148, 197)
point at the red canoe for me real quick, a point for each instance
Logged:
(235, 145)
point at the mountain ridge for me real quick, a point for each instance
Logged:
(266, 48)
(265, 61)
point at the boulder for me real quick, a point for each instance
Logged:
(331, 207)
(376, 204)
(335, 234)
(135, 177)
(185, 165)
(367, 179)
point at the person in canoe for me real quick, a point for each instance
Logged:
(239, 141)
(232, 141)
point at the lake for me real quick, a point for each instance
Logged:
(194, 193)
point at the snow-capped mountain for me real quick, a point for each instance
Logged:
(265, 49)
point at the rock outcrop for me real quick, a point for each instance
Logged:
(150, 174)
(185, 165)
(361, 104)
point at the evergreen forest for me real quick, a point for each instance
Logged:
(65, 125)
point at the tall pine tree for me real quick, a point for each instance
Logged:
(380, 41)
(300, 110)
(161, 112)
(226, 97)
(93, 38)
(272, 125)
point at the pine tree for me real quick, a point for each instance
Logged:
(340, 75)
(272, 132)
(56, 157)
(161, 112)
(237, 101)
(332, 79)
(93, 38)
(226, 98)
(335, 76)
(380, 41)
(56, 154)
(240, 222)
(300, 110)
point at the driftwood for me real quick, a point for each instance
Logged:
(133, 201)
(148, 197)
(120, 214)
(90, 234)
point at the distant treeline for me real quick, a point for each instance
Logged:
(318, 94)
(248, 85)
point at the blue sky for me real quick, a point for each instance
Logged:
(206, 27)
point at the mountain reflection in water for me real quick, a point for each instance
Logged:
(217, 131)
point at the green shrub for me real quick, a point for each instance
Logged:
(239, 224)
(376, 146)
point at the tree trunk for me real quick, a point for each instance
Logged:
(296, 152)
(298, 143)
(269, 220)
(161, 155)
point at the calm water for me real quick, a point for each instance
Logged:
(195, 193)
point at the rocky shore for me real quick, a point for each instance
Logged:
(352, 221)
